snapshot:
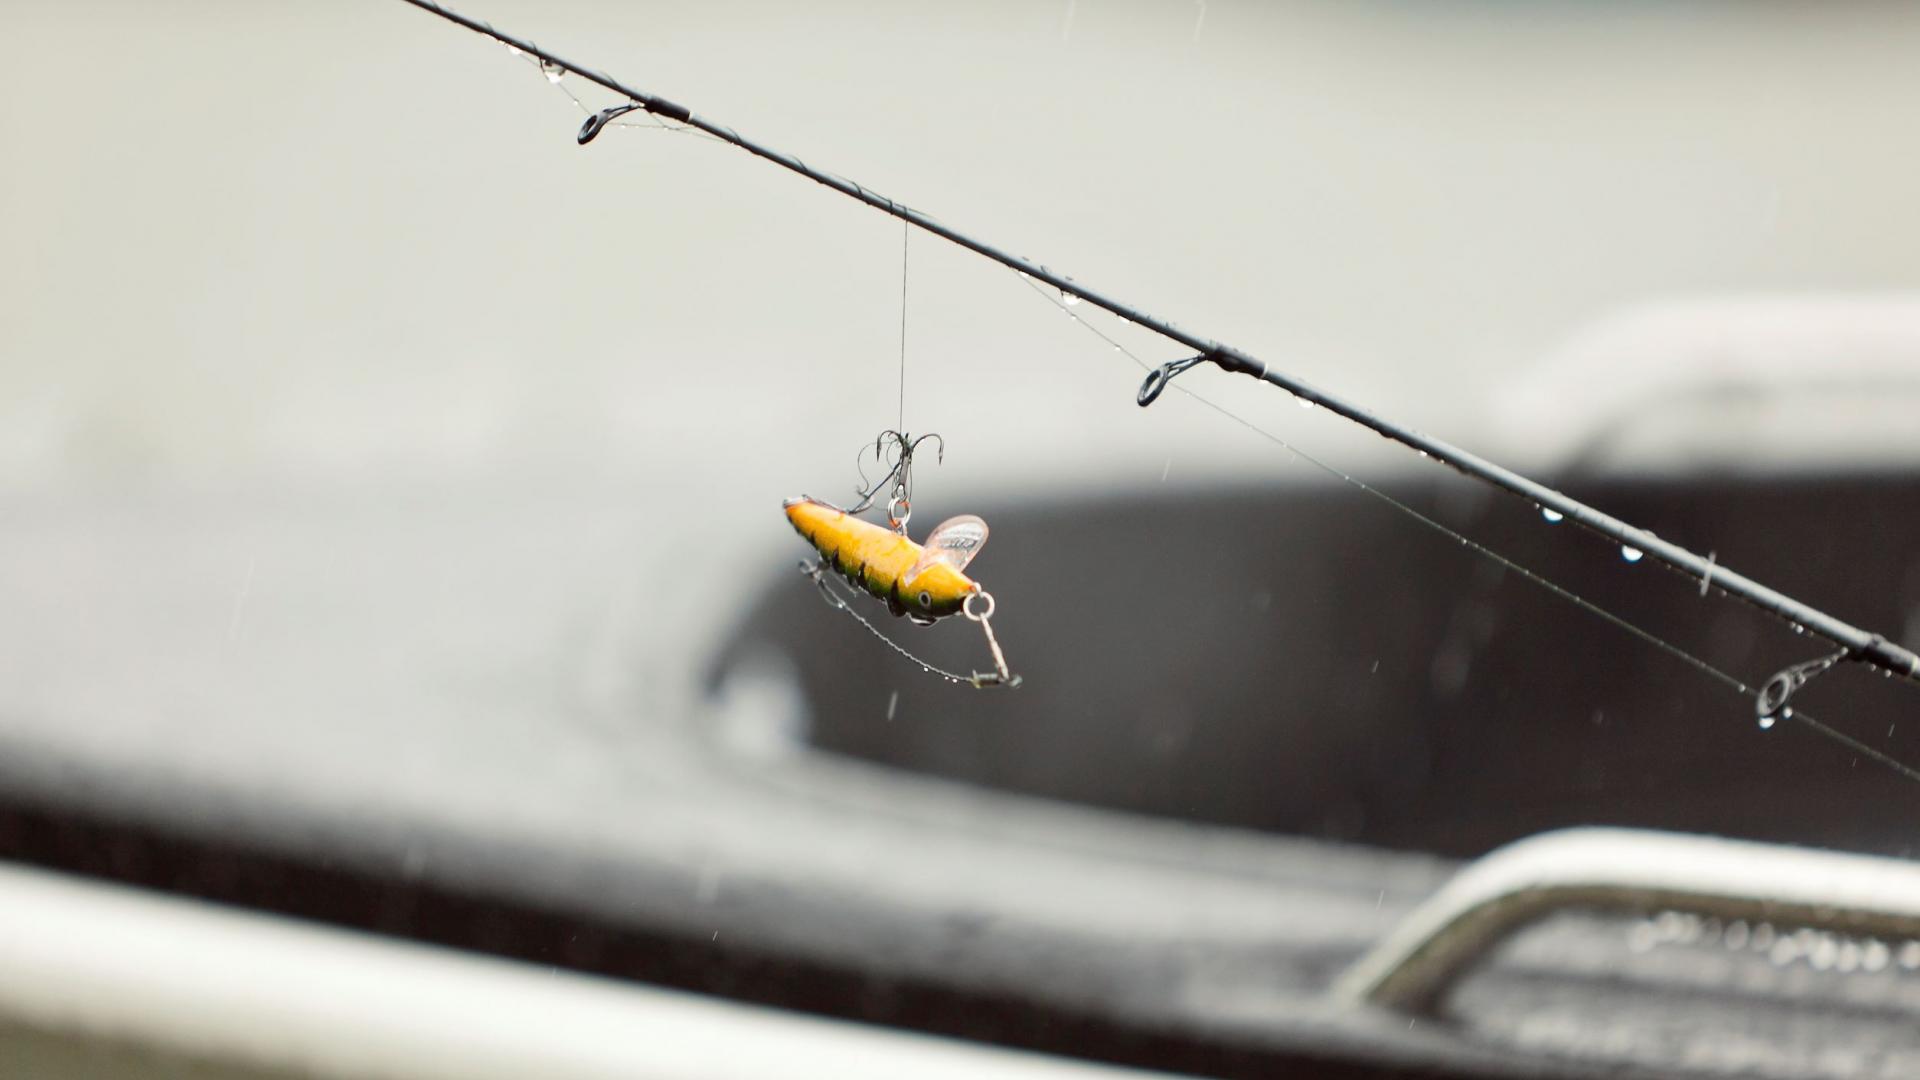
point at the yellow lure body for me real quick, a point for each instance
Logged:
(881, 562)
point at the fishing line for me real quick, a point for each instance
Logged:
(1703, 666)
(834, 599)
(557, 76)
(906, 233)
(1862, 645)
(1858, 644)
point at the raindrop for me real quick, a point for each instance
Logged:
(1303, 403)
(1671, 925)
(1068, 298)
(893, 700)
(1909, 957)
(1825, 952)
(1766, 722)
(1641, 937)
(1849, 958)
(513, 50)
(1631, 554)
(1554, 517)
(1876, 955)
(1798, 629)
(554, 72)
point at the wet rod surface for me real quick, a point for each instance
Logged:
(1862, 645)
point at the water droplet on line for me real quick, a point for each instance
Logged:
(1909, 957)
(1875, 955)
(1642, 937)
(1737, 934)
(1553, 516)
(554, 72)
(1631, 554)
(1784, 951)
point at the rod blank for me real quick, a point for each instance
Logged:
(1861, 645)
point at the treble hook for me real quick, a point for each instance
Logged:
(1772, 698)
(598, 121)
(1159, 377)
(899, 473)
(900, 501)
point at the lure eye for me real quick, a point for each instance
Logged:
(926, 598)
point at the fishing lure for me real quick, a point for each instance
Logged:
(925, 582)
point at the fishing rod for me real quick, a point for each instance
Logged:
(1857, 644)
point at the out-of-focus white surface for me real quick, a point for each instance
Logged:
(1764, 384)
(1634, 870)
(213, 984)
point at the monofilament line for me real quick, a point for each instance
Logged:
(906, 234)
(1861, 645)
(835, 600)
(1699, 664)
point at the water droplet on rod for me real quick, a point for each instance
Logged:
(554, 72)
(1303, 402)
(1631, 554)
(1553, 516)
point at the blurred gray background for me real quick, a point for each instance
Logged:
(270, 242)
(381, 472)
(365, 440)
